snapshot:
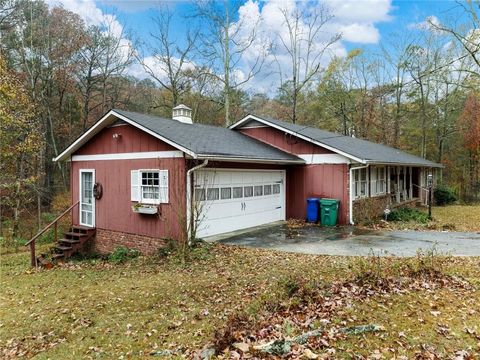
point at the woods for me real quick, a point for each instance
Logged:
(58, 75)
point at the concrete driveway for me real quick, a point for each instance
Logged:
(350, 241)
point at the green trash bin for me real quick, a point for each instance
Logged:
(329, 211)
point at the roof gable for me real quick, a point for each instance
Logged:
(196, 140)
(359, 150)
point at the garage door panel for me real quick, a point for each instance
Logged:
(225, 215)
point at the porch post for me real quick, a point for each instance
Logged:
(410, 191)
(397, 169)
(404, 191)
(387, 171)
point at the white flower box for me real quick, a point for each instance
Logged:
(145, 209)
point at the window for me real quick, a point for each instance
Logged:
(248, 191)
(258, 190)
(213, 194)
(267, 190)
(237, 192)
(360, 183)
(199, 194)
(380, 182)
(226, 193)
(276, 188)
(149, 186)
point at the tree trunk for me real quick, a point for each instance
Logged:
(227, 66)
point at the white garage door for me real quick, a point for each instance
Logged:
(229, 200)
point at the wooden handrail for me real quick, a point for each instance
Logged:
(52, 223)
(31, 242)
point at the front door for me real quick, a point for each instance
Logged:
(87, 201)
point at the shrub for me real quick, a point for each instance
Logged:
(444, 195)
(167, 250)
(122, 254)
(408, 214)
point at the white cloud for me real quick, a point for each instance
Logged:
(355, 20)
(429, 23)
(360, 33)
(362, 11)
(89, 12)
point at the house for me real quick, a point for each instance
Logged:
(141, 179)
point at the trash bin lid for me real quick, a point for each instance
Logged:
(329, 201)
(313, 199)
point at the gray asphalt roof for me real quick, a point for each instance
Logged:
(366, 150)
(207, 140)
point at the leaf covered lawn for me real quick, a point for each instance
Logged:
(236, 300)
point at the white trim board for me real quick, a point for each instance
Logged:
(300, 136)
(324, 159)
(94, 204)
(130, 156)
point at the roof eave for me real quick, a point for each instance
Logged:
(249, 160)
(433, 165)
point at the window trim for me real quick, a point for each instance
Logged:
(160, 200)
(358, 183)
(377, 179)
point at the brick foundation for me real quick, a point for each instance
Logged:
(106, 241)
(370, 209)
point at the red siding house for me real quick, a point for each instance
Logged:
(140, 179)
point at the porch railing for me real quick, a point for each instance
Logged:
(423, 193)
(54, 223)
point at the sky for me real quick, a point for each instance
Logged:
(362, 23)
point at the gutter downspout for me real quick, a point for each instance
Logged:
(189, 197)
(350, 203)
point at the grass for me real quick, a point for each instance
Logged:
(450, 218)
(463, 217)
(97, 308)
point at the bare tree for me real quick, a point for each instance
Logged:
(224, 44)
(117, 54)
(468, 36)
(170, 60)
(89, 74)
(304, 47)
(396, 55)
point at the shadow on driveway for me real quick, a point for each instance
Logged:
(351, 241)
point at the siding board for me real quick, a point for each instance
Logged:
(113, 211)
(284, 141)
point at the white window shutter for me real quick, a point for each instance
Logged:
(164, 186)
(135, 185)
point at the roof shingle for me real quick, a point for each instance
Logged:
(207, 140)
(368, 151)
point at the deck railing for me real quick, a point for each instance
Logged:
(54, 223)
